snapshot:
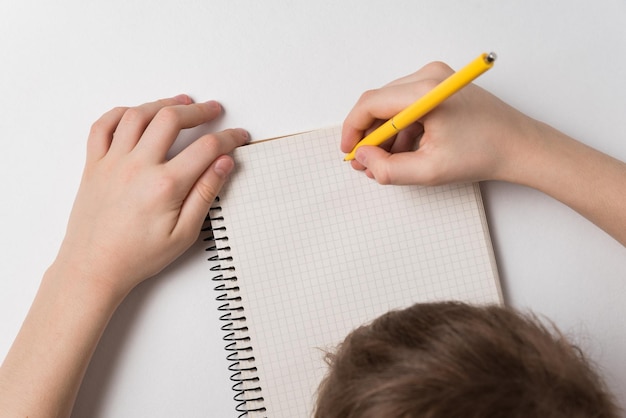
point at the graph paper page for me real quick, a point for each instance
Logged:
(320, 249)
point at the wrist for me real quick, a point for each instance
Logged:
(77, 280)
(77, 266)
(525, 152)
(546, 159)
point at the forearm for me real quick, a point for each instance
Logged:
(588, 181)
(135, 212)
(475, 136)
(41, 375)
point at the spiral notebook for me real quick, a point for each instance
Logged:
(308, 249)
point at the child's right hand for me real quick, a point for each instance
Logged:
(472, 136)
(475, 136)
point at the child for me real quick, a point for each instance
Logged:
(474, 136)
(447, 360)
(135, 211)
(451, 359)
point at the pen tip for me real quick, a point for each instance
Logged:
(491, 57)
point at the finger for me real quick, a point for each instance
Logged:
(386, 102)
(369, 174)
(196, 205)
(437, 71)
(407, 139)
(135, 120)
(101, 133)
(167, 124)
(402, 168)
(199, 155)
(354, 163)
(376, 105)
(357, 165)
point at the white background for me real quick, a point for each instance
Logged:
(280, 67)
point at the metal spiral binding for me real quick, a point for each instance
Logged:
(240, 353)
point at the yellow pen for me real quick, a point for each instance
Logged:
(428, 102)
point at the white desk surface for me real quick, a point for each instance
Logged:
(280, 67)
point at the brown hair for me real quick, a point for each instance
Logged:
(456, 360)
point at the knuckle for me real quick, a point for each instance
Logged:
(439, 67)
(105, 122)
(126, 172)
(119, 109)
(425, 86)
(210, 143)
(164, 102)
(167, 186)
(133, 114)
(168, 116)
(367, 96)
(98, 127)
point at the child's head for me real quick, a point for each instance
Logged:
(455, 360)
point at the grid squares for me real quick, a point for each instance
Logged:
(320, 249)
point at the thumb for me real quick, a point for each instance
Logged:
(203, 192)
(387, 168)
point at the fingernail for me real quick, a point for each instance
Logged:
(245, 134)
(214, 104)
(360, 156)
(223, 166)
